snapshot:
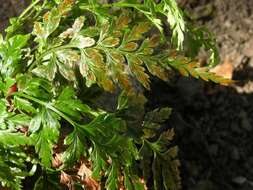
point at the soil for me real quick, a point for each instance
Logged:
(10, 8)
(214, 125)
(230, 21)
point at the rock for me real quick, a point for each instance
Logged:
(205, 185)
(245, 123)
(235, 128)
(235, 154)
(213, 149)
(248, 51)
(251, 62)
(240, 180)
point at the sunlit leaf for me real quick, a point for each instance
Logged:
(82, 42)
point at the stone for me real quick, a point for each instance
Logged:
(240, 180)
(245, 123)
(248, 49)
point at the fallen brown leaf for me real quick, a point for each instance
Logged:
(85, 173)
(224, 70)
(56, 162)
(67, 180)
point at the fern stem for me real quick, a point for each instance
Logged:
(118, 4)
(30, 7)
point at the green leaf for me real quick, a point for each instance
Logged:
(76, 149)
(8, 138)
(68, 103)
(50, 23)
(138, 31)
(11, 54)
(3, 114)
(158, 115)
(91, 31)
(93, 68)
(110, 42)
(175, 18)
(165, 165)
(75, 29)
(36, 87)
(44, 147)
(6, 85)
(35, 123)
(48, 69)
(23, 105)
(47, 136)
(170, 178)
(3, 106)
(198, 37)
(12, 163)
(112, 181)
(127, 182)
(82, 42)
(156, 170)
(135, 65)
(48, 181)
(99, 164)
(20, 119)
(8, 178)
(132, 182)
(66, 62)
(15, 24)
(122, 101)
(18, 41)
(57, 1)
(51, 20)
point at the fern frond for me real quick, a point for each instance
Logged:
(192, 68)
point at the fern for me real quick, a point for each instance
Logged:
(190, 68)
(51, 76)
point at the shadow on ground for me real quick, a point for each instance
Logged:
(214, 131)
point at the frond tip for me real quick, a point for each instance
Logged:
(187, 68)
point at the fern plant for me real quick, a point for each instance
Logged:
(57, 58)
